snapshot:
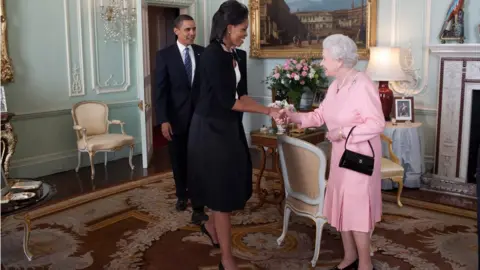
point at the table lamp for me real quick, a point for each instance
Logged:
(384, 66)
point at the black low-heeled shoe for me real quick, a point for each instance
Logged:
(220, 266)
(352, 266)
(204, 231)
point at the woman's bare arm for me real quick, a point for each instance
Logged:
(247, 104)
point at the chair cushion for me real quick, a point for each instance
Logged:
(391, 169)
(301, 207)
(106, 142)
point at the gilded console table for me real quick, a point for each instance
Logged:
(9, 142)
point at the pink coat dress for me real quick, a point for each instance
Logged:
(353, 201)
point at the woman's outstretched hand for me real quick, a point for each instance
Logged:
(289, 116)
(274, 113)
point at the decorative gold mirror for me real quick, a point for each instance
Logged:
(7, 70)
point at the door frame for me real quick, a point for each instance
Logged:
(186, 7)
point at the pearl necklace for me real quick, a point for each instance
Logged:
(343, 81)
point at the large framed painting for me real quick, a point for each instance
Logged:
(296, 28)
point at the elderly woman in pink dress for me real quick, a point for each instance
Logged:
(353, 201)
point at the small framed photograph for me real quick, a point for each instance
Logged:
(403, 108)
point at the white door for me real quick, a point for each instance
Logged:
(144, 83)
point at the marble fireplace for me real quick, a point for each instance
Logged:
(458, 121)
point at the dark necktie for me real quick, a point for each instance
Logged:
(188, 65)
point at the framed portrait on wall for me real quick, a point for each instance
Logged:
(292, 28)
(403, 109)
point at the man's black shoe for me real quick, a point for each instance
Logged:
(181, 205)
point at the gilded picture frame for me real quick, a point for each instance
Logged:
(6, 67)
(281, 43)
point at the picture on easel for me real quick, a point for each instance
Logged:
(403, 109)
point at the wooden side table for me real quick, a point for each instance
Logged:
(269, 141)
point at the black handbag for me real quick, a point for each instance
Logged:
(355, 161)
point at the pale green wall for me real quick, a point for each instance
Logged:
(410, 29)
(40, 93)
(40, 97)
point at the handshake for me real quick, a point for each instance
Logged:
(283, 113)
(283, 116)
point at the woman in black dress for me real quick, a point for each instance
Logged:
(219, 167)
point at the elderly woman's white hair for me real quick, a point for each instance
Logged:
(342, 48)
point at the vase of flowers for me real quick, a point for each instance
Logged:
(292, 79)
(280, 124)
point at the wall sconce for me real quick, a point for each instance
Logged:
(119, 20)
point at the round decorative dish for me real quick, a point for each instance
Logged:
(22, 196)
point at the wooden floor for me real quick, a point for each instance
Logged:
(69, 184)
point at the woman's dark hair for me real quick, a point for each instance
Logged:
(230, 12)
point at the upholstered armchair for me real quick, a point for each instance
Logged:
(392, 168)
(303, 169)
(91, 125)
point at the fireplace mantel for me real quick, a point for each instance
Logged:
(459, 76)
(455, 50)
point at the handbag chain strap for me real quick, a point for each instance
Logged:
(373, 153)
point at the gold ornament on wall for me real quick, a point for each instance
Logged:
(7, 69)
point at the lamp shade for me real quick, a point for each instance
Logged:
(384, 64)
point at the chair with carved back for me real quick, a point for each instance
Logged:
(91, 125)
(392, 168)
(303, 168)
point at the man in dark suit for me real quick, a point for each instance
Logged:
(175, 76)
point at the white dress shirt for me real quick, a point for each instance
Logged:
(181, 48)
(238, 75)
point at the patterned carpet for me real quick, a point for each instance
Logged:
(138, 228)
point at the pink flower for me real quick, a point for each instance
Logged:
(305, 67)
(304, 73)
(299, 66)
(294, 62)
(302, 82)
(277, 75)
(293, 74)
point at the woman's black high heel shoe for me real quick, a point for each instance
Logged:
(204, 231)
(220, 266)
(352, 266)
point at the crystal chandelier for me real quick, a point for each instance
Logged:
(119, 20)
